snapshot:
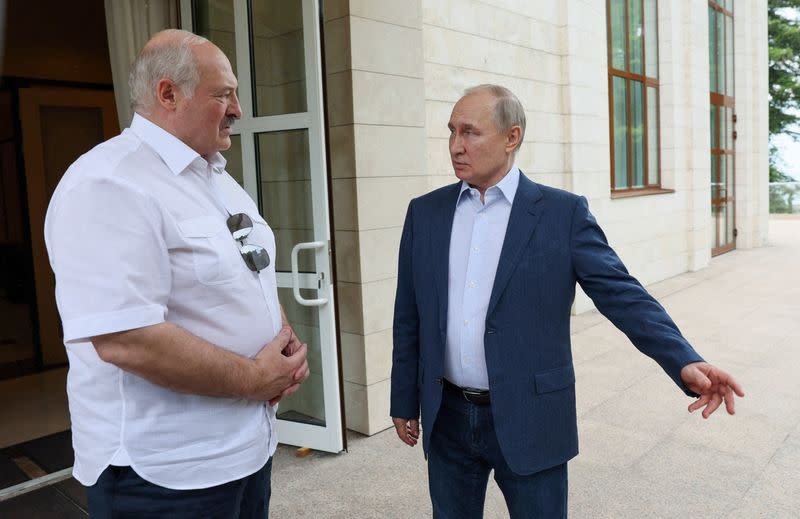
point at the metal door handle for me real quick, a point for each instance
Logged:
(296, 274)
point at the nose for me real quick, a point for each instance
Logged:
(235, 109)
(456, 144)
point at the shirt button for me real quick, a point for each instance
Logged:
(476, 249)
(471, 284)
(466, 322)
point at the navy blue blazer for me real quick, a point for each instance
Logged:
(552, 241)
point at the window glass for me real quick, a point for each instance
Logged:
(637, 134)
(279, 65)
(652, 136)
(651, 38)
(635, 35)
(620, 133)
(618, 34)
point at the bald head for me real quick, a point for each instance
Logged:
(169, 54)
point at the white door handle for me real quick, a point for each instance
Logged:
(296, 274)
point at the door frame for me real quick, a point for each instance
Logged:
(331, 436)
(31, 100)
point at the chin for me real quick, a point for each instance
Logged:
(224, 144)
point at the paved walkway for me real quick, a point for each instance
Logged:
(642, 455)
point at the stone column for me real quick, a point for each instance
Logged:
(377, 118)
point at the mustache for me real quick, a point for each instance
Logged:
(228, 122)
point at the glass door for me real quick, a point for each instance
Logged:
(723, 135)
(278, 156)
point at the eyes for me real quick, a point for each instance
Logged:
(466, 131)
(226, 94)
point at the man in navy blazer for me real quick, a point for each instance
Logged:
(486, 282)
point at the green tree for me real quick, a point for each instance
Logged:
(784, 68)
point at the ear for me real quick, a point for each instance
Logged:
(513, 137)
(167, 94)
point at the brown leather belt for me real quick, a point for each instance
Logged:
(475, 396)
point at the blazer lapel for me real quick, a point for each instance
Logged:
(522, 221)
(441, 228)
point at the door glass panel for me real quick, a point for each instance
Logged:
(714, 197)
(713, 127)
(618, 34)
(279, 65)
(307, 405)
(729, 134)
(720, 53)
(729, 194)
(728, 55)
(620, 133)
(635, 35)
(712, 49)
(637, 134)
(284, 186)
(652, 136)
(651, 38)
(213, 19)
(233, 156)
(723, 126)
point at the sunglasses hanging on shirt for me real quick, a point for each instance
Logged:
(255, 257)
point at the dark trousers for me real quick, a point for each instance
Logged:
(121, 494)
(464, 450)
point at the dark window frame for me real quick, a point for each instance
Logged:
(651, 180)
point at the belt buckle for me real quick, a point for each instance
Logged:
(470, 394)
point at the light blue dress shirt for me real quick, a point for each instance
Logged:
(476, 240)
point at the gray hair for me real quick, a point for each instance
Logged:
(508, 111)
(170, 57)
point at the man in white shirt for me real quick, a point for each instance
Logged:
(177, 344)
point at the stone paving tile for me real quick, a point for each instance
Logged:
(774, 495)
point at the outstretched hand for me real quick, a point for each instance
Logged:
(713, 385)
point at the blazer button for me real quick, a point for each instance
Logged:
(439, 380)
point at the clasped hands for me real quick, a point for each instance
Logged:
(282, 365)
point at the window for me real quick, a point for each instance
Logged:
(633, 96)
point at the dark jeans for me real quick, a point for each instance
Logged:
(121, 494)
(464, 450)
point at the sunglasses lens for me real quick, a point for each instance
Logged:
(240, 226)
(255, 257)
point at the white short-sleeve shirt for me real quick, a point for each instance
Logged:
(136, 235)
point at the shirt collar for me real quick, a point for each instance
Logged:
(173, 151)
(507, 185)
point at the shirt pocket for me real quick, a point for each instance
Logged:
(214, 251)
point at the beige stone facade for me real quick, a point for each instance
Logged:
(394, 71)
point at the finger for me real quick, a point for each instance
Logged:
(737, 388)
(298, 358)
(413, 426)
(712, 406)
(697, 404)
(289, 390)
(301, 373)
(729, 405)
(400, 428)
(282, 339)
